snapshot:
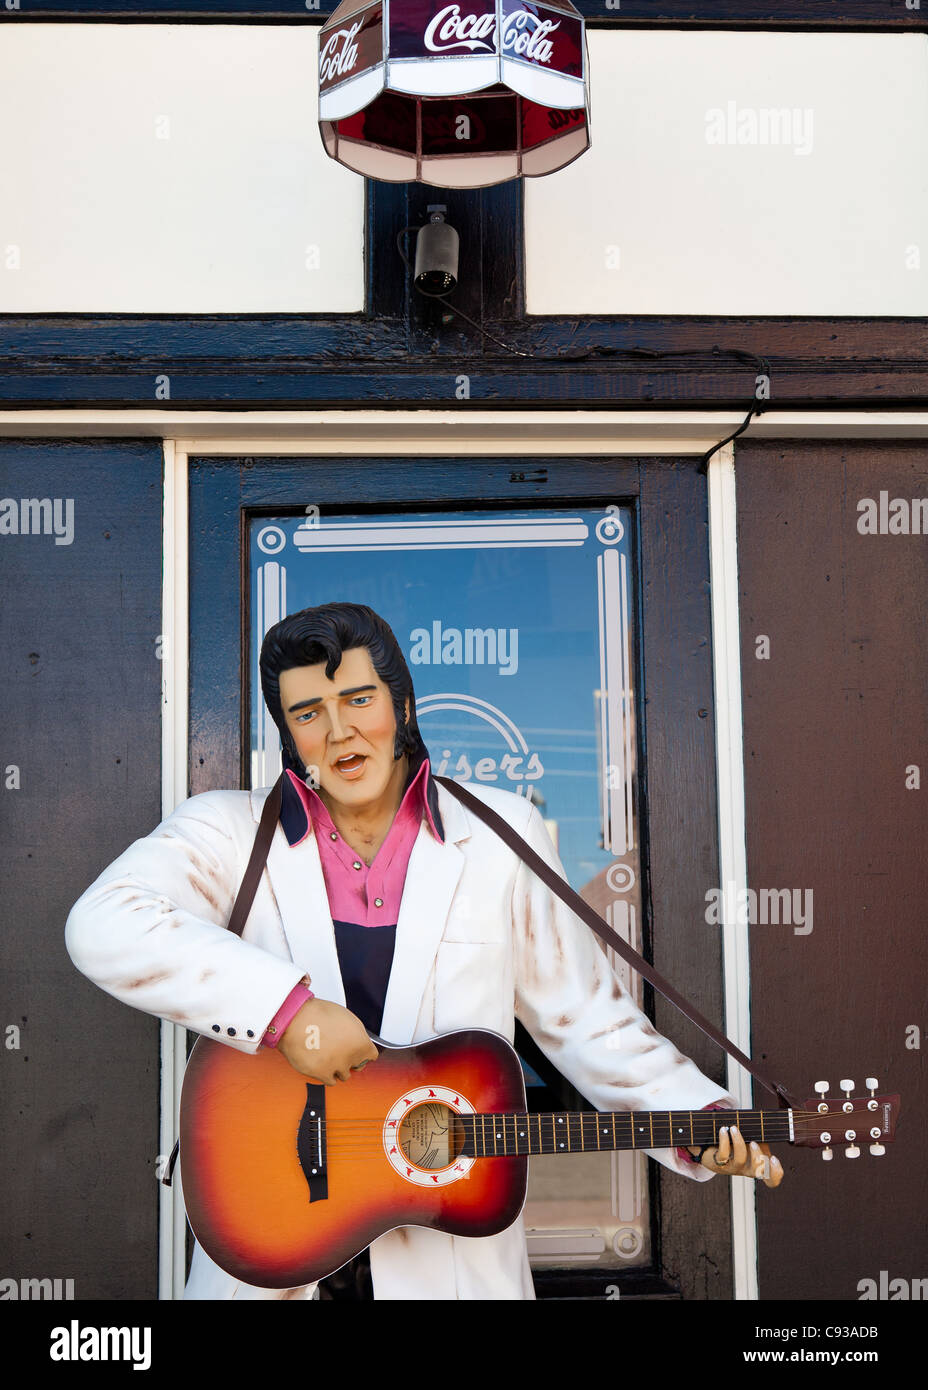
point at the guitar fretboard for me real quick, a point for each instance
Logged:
(589, 1131)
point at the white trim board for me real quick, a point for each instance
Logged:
(450, 432)
(172, 1221)
(729, 752)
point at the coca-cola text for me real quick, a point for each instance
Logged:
(524, 34)
(339, 53)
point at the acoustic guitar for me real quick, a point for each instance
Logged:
(285, 1180)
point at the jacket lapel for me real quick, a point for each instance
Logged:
(299, 887)
(431, 879)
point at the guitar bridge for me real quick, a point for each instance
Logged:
(310, 1143)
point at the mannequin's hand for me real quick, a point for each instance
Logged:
(735, 1159)
(326, 1042)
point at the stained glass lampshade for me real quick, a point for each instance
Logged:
(459, 95)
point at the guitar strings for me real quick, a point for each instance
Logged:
(344, 1137)
(698, 1136)
(700, 1121)
(354, 1136)
(698, 1115)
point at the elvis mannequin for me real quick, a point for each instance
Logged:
(468, 935)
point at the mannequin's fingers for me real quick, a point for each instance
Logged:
(774, 1174)
(739, 1150)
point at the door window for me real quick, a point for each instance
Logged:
(519, 633)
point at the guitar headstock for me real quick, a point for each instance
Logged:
(835, 1122)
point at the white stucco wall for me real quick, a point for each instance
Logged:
(830, 216)
(149, 168)
(178, 169)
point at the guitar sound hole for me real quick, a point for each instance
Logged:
(431, 1135)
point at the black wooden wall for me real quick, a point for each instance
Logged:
(832, 720)
(81, 723)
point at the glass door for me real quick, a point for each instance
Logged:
(519, 631)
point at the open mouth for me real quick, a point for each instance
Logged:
(350, 765)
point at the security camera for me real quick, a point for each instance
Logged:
(437, 246)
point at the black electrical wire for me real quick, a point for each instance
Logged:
(604, 350)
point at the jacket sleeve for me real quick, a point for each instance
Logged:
(584, 1019)
(151, 931)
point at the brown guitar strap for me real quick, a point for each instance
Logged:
(270, 815)
(596, 923)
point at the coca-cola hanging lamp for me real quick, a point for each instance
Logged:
(459, 95)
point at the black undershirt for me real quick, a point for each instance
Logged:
(365, 956)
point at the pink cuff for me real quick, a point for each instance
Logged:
(286, 1013)
(685, 1153)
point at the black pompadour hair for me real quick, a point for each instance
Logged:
(322, 634)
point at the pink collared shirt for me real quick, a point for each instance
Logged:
(367, 894)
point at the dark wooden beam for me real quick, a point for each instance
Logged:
(295, 361)
(869, 15)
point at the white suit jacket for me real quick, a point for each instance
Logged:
(479, 941)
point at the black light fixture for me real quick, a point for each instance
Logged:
(437, 248)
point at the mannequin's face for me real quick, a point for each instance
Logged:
(345, 728)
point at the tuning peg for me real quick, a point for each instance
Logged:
(827, 1155)
(871, 1084)
(821, 1087)
(877, 1150)
(847, 1087)
(852, 1152)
